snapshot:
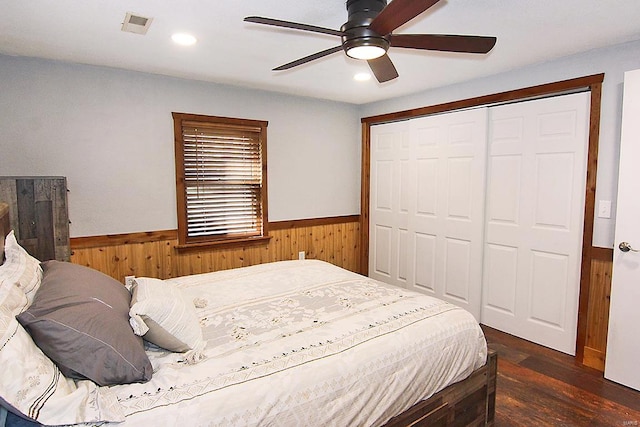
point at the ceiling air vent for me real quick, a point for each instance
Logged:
(136, 24)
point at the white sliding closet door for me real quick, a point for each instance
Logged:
(534, 218)
(427, 205)
(389, 209)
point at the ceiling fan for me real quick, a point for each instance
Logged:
(367, 35)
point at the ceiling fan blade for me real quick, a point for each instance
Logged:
(397, 13)
(292, 25)
(309, 58)
(383, 68)
(444, 42)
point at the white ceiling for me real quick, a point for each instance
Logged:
(231, 51)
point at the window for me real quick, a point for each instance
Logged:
(221, 179)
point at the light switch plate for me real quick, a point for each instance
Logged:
(604, 209)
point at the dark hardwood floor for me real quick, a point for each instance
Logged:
(542, 387)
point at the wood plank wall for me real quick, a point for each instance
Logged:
(154, 254)
(598, 308)
(336, 240)
(39, 216)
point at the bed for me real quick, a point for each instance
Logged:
(289, 343)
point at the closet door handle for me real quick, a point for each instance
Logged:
(626, 247)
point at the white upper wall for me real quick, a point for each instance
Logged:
(110, 132)
(613, 61)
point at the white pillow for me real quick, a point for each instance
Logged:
(161, 315)
(20, 269)
(33, 385)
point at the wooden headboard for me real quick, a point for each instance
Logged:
(5, 227)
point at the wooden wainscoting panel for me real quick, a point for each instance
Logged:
(594, 358)
(155, 254)
(598, 311)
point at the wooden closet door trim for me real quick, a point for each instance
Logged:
(593, 83)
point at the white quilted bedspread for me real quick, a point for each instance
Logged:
(305, 343)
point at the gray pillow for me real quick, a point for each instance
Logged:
(80, 319)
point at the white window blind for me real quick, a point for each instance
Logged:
(223, 180)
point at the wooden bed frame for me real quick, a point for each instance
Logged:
(470, 402)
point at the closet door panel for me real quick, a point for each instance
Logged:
(449, 154)
(460, 187)
(457, 270)
(534, 218)
(433, 220)
(382, 257)
(427, 184)
(549, 273)
(391, 201)
(501, 270)
(503, 196)
(425, 262)
(403, 255)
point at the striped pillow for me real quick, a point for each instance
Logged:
(31, 384)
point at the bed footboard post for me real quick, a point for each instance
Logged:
(492, 375)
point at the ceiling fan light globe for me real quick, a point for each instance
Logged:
(366, 52)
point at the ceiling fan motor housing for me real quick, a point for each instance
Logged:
(356, 30)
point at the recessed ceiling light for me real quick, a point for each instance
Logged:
(184, 39)
(362, 77)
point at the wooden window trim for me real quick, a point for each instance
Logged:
(184, 241)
